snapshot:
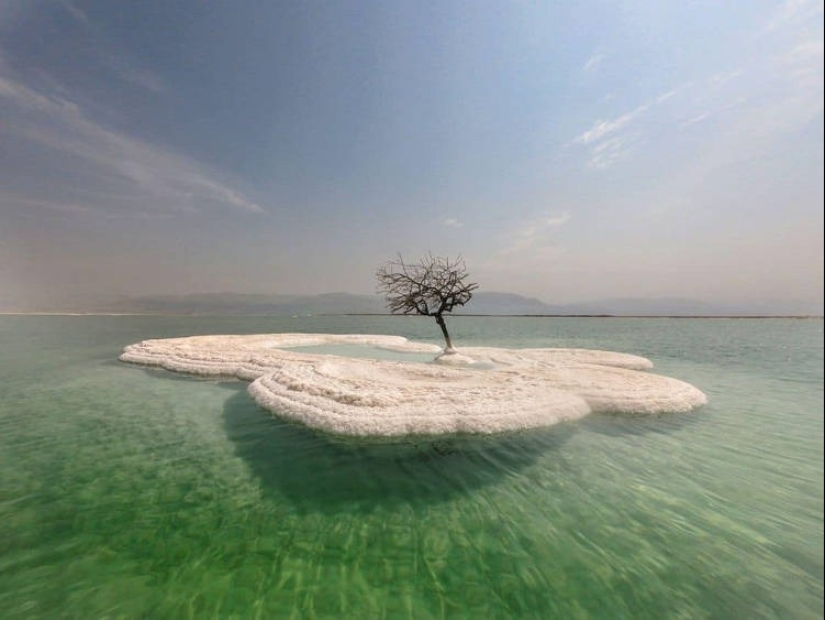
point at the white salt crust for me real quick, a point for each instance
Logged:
(474, 390)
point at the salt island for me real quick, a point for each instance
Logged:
(471, 390)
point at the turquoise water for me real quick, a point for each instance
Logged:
(130, 493)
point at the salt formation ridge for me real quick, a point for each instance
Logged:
(477, 390)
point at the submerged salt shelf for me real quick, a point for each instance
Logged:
(475, 390)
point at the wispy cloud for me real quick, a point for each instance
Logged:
(804, 65)
(104, 158)
(722, 78)
(74, 11)
(602, 128)
(128, 73)
(755, 108)
(594, 61)
(696, 119)
(10, 198)
(121, 68)
(808, 51)
(607, 148)
(793, 12)
(533, 236)
(665, 96)
(611, 151)
(451, 222)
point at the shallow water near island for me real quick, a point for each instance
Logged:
(140, 493)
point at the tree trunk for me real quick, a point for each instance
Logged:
(443, 325)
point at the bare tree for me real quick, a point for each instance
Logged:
(430, 287)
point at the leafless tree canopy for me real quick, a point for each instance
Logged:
(430, 287)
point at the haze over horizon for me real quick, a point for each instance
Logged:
(568, 153)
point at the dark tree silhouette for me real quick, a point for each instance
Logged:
(430, 287)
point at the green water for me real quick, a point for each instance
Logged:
(127, 493)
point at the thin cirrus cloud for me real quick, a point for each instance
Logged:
(121, 68)
(594, 61)
(794, 12)
(607, 148)
(612, 150)
(119, 172)
(772, 92)
(696, 119)
(75, 12)
(126, 72)
(533, 237)
(804, 64)
(788, 97)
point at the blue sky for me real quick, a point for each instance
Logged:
(568, 151)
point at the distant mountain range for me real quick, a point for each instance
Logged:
(506, 303)
(483, 303)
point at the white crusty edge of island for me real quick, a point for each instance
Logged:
(470, 390)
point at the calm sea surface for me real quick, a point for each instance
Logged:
(132, 493)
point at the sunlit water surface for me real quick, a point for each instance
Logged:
(132, 493)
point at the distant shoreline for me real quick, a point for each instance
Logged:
(454, 316)
(621, 316)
